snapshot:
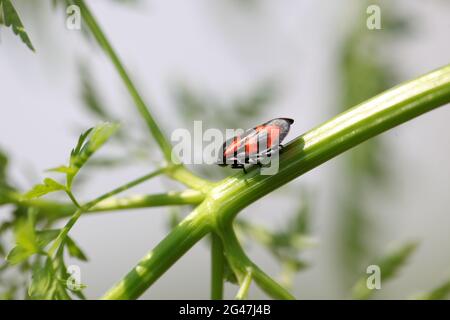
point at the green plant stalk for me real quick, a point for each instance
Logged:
(164, 199)
(123, 188)
(243, 290)
(189, 179)
(242, 266)
(223, 202)
(55, 210)
(140, 104)
(187, 233)
(72, 198)
(66, 229)
(217, 267)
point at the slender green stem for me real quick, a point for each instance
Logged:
(54, 210)
(217, 267)
(245, 286)
(59, 241)
(122, 188)
(228, 197)
(103, 41)
(146, 201)
(242, 265)
(189, 179)
(72, 197)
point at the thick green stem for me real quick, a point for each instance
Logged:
(304, 153)
(163, 256)
(217, 267)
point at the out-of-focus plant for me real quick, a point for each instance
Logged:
(363, 73)
(40, 249)
(439, 293)
(10, 18)
(388, 264)
(286, 244)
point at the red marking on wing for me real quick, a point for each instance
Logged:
(233, 147)
(273, 134)
(251, 145)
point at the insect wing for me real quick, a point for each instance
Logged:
(259, 143)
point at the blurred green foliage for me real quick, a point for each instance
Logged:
(286, 244)
(439, 293)
(389, 264)
(238, 112)
(10, 18)
(363, 74)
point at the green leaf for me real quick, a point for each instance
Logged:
(389, 265)
(25, 233)
(30, 242)
(18, 254)
(74, 250)
(11, 19)
(42, 281)
(26, 240)
(99, 136)
(62, 169)
(40, 190)
(86, 148)
(80, 143)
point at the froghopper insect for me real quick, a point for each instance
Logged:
(255, 145)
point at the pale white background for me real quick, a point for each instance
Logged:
(226, 48)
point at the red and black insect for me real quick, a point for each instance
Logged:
(256, 145)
